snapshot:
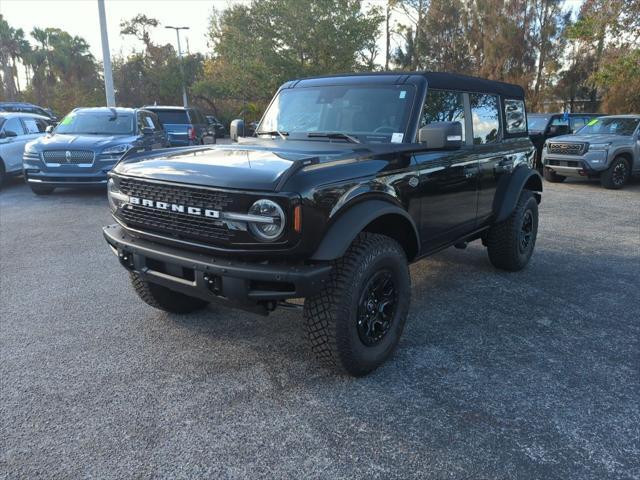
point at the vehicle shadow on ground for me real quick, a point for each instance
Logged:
(14, 185)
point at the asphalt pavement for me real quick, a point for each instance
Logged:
(529, 375)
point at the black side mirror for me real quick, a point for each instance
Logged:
(147, 131)
(441, 135)
(49, 129)
(236, 129)
(8, 133)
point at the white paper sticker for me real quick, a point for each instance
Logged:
(397, 137)
(403, 94)
(149, 122)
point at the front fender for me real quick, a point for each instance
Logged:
(354, 220)
(509, 189)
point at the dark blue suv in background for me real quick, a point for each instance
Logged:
(184, 126)
(86, 144)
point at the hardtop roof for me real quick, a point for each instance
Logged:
(437, 80)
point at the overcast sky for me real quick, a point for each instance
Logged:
(80, 17)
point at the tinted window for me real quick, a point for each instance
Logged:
(486, 118)
(173, 116)
(196, 117)
(559, 121)
(33, 126)
(372, 113)
(443, 106)
(96, 123)
(515, 120)
(13, 125)
(537, 122)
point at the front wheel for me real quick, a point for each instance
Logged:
(617, 175)
(355, 321)
(164, 299)
(510, 244)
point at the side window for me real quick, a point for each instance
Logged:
(42, 125)
(156, 122)
(31, 125)
(485, 114)
(514, 116)
(443, 106)
(13, 125)
(558, 121)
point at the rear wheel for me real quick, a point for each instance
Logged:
(553, 177)
(41, 189)
(355, 322)
(617, 175)
(510, 244)
(164, 299)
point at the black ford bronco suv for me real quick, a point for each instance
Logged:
(349, 179)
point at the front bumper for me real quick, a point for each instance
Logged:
(210, 278)
(588, 165)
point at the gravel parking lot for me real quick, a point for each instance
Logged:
(527, 375)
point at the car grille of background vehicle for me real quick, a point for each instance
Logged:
(566, 148)
(68, 156)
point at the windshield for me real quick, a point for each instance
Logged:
(368, 113)
(610, 126)
(96, 123)
(172, 117)
(537, 122)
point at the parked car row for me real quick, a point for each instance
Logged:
(86, 143)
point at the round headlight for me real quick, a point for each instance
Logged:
(273, 226)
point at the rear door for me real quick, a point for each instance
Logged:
(448, 180)
(493, 155)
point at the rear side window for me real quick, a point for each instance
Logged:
(515, 120)
(32, 126)
(485, 114)
(443, 106)
(173, 116)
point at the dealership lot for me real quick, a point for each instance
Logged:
(526, 375)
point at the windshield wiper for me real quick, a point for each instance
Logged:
(283, 135)
(339, 135)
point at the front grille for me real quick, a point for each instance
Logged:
(566, 148)
(68, 156)
(176, 224)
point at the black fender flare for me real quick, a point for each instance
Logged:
(354, 220)
(509, 189)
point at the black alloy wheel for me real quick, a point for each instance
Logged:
(377, 308)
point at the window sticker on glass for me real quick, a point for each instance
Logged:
(67, 120)
(397, 137)
(403, 93)
(149, 122)
(593, 122)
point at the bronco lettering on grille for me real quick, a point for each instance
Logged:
(174, 207)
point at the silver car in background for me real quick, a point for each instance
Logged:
(607, 148)
(16, 129)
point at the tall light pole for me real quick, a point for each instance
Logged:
(184, 90)
(106, 57)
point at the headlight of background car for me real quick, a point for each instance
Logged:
(273, 226)
(594, 147)
(117, 149)
(115, 196)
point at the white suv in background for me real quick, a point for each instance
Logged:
(16, 129)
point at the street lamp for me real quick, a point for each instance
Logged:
(184, 90)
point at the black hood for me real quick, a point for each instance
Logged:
(259, 165)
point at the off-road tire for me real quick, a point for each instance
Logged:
(611, 177)
(164, 299)
(41, 189)
(331, 315)
(504, 240)
(553, 177)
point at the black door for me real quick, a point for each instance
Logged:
(447, 180)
